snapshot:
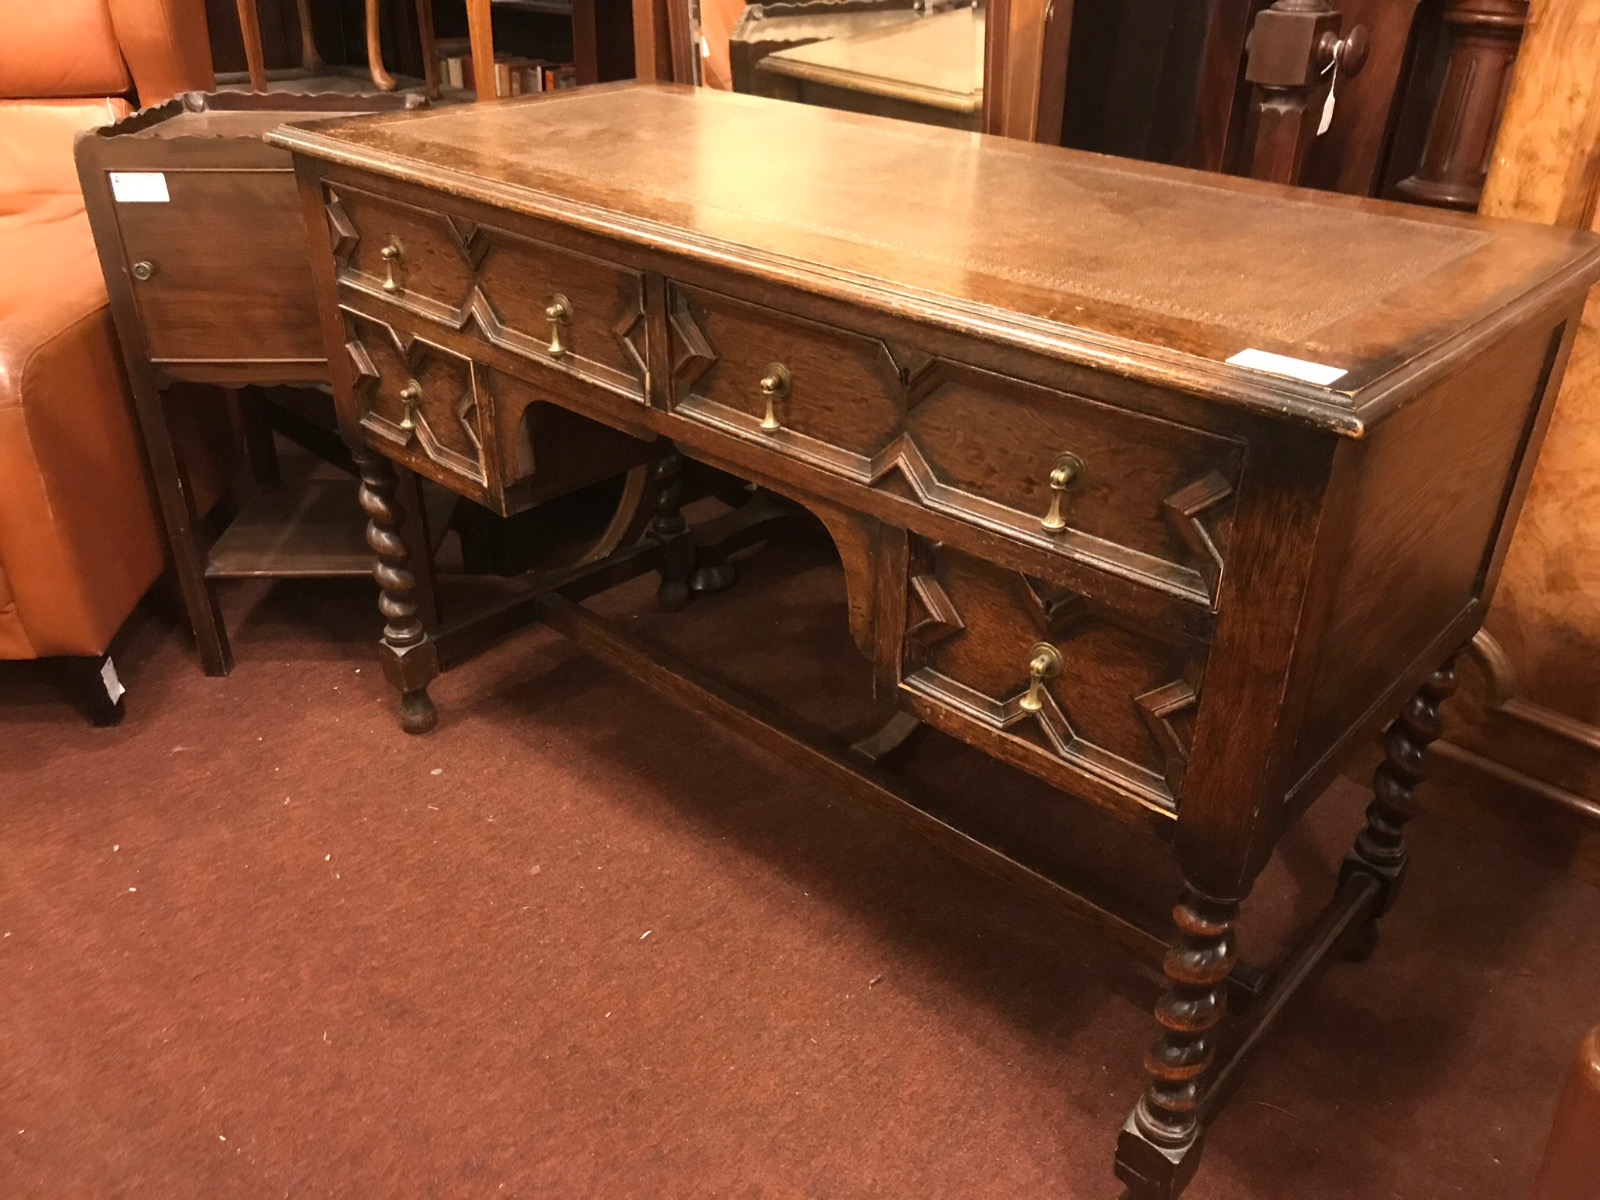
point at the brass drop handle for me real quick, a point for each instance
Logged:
(1066, 476)
(391, 254)
(1044, 662)
(558, 312)
(774, 385)
(410, 396)
(143, 269)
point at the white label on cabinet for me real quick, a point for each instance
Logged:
(1295, 368)
(139, 187)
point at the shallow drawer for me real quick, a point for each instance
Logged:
(544, 302)
(480, 432)
(1075, 692)
(1141, 496)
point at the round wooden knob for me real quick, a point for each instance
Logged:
(143, 270)
(1349, 51)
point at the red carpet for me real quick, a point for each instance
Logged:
(259, 944)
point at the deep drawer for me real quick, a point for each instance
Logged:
(1088, 698)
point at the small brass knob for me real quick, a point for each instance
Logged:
(774, 384)
(143, 269)
(558, 312)
(1044, 662)
(1066, 476)
(410, 396)
(392, 254)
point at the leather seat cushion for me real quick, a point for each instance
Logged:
(60, 48)
(36, 163)
(79, 538)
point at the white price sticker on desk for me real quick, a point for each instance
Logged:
(1293, 368)
(139, 187)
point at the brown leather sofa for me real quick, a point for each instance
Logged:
(80, 537)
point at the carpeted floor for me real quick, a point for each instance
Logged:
(576, 943)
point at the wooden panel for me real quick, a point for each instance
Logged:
(1149, 486)
(422, 400)
(838, 396)
(1153, 500)
(500, 286)
(410, 254)
(1429, 496)
(214, 294)
(1115, 720)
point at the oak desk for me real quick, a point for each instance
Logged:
(1073, 533)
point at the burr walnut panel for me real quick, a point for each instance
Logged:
(1115, 713)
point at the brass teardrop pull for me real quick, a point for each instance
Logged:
(410, 396)
(558, 312)
(393, 255)
(1066, 476)
(1044, 662)
(775, 384)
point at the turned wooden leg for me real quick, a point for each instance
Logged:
(410, 658)
(1160, 1143)
(430, 50)
(310, 59)
(1380, 848)
(381, 79)
(670, 529)
(250, 32)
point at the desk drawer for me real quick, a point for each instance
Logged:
(1090, 699)
(553, 305)
(1142, 496)
(480, 432)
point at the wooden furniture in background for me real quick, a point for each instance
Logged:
(1074, 534)
(1482, 40)
(1522, 756)
(311, 61)
(764, 29)
(1025, 68)
(205, 259)
(928, 70)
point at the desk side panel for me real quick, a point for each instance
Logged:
(1433, 493)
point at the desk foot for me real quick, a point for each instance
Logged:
(713, 577)
(410, 657)
(1380, 849)
(1159, 1147)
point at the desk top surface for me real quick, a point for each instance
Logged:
(1154, 272)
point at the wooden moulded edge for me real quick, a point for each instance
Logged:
(1346, 413)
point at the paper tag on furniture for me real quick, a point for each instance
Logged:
(1282, 364)
(139, 187)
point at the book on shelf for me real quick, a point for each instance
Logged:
(514, 74)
